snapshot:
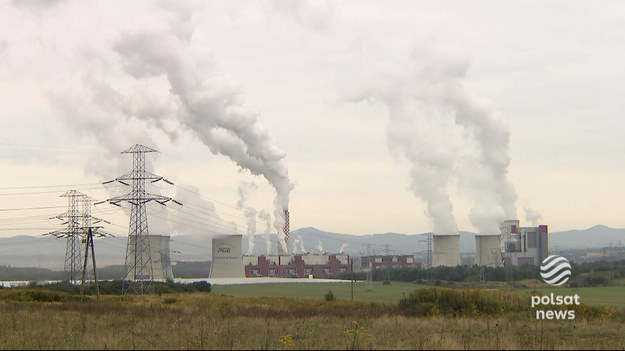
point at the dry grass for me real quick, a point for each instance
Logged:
(205, 321)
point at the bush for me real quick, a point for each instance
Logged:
(329, 296)
(456, 302)
(595, 279)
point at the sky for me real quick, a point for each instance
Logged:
(358, 117)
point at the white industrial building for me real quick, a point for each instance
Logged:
(446, 250)
(488, 250)
(160, 257)
(524, 245)
(227, 259)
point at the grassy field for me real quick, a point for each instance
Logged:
(261, 317)
(609, 296)
(380, 292)
(213, 321)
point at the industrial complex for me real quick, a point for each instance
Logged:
(148, 256)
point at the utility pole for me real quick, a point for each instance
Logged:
(89, 246)
(387, 279)
(139, 275)
(352, 268)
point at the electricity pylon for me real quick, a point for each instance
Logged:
(76, 232)
(139, 274)
(369, 270)
(73, 249)
(428, 255)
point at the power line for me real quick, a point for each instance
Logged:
(29, 208)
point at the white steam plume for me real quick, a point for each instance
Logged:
(486, 175)
(250, 217)
(207, 103)
(343, 247)
(448, 135)
(532, 216)
(301, 244)
(249, 213)
(295, 245)
(266, 216)
(320, 246)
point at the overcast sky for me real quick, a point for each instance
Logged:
(394, 116)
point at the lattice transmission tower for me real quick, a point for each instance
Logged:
(75, 233)
(73, 248)
(139, 275)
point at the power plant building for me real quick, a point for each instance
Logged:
(294, 266)
(393, 261)
(446, 250)
(227, 259)
(159, 255)
(524, 245)
(488, 250)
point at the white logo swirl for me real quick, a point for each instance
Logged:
(555, 270)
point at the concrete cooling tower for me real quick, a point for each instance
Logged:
(227, 259)
(446, 250)
(488, 250)
(160, 256)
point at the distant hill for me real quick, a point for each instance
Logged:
(49, 252)
(594, 237)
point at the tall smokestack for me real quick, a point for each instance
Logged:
(287, 231)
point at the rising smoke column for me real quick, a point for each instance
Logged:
(486, 174)
(448, 135)
(249, 213)
(266, 216)
(211, 108)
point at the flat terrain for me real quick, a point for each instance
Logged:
(212, 321)
(608, 296)
(383, 293)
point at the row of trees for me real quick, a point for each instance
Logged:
(585, 274)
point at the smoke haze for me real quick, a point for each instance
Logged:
(449, 137)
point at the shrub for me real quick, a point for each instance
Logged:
(432, 301)
(329, 296)
(595, 279)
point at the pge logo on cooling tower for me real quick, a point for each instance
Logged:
(555, 270)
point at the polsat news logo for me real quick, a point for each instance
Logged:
(555, 270)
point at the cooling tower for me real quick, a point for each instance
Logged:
(446, 250)
(227, 259)
(488, 250)
(160, 256)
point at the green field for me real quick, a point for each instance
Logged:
(610, 296)
(296, 316)
(342, 291)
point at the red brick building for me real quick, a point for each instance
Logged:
(394, 261)
(293, 266)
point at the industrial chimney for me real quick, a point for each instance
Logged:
(287, 233)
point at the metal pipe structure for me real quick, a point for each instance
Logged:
(286, 229)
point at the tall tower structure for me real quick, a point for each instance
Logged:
(73, 248)
(139, 274)
(286, 230)
(428, 250)
(77, 224)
